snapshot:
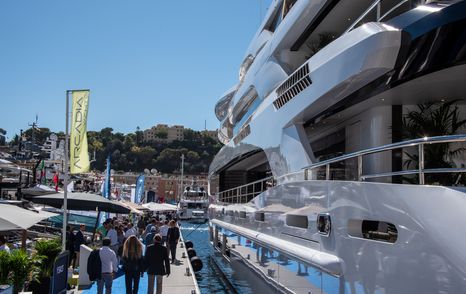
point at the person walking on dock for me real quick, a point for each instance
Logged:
(157, 264)
(78, 241)
(113, 236)
(133, 264)
(153, 224)
(109, 267)
(164, 232)
(173, 236)
(70, 239)
(131, 231)
(150, 237)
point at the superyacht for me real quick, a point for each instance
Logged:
(193, 204)
(343, 165)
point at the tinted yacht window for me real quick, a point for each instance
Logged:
(280, 14)
(277, 19)
(287, 7)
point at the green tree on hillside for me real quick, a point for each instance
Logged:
(2, 136)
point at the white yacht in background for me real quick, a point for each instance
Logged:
(193, 204)
(317, 189)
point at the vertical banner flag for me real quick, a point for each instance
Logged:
(139, 197)
(79, 158)
(106, 186)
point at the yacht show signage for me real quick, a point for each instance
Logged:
(79, 157)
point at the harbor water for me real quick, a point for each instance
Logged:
(209, 278)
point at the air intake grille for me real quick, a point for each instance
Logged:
(295, 84)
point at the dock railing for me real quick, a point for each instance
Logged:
(244, 193)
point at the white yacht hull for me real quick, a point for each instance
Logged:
(426, 247)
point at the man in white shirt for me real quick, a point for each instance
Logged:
(130, 231)
(164, 231)
(109, 268)
(3, 246)
(113, 236)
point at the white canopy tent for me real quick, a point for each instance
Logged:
(16, 218)
(160, 206)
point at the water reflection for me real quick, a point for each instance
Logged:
(287, 273)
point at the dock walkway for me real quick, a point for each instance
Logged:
(177, 283)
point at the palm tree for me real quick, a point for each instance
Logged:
(23, 269)
(429, 120)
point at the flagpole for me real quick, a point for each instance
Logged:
(181, 183)
(65, 180)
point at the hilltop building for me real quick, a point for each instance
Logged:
(164, 134)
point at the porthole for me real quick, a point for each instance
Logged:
(324, 224)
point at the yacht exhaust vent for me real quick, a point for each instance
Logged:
(294, 85)
(242, 134)
(259, 216)
(298, 221)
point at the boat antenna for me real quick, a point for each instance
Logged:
(34, 127)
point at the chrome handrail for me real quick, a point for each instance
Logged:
(404, 144)
(413, 172)
(236, 193)
(392, 9)
(388, 147)
(375, 5)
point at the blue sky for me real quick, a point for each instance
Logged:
(146, 62)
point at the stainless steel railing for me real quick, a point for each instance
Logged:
(245, 193)
(376, 7)
(420, 143)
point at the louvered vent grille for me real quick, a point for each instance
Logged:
(295, 84)
(242, 134)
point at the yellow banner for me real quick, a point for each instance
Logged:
(79, 158)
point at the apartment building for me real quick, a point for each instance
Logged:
(164, 133)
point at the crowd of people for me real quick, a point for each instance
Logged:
(123, 246)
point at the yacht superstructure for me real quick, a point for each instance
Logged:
(319, 188)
